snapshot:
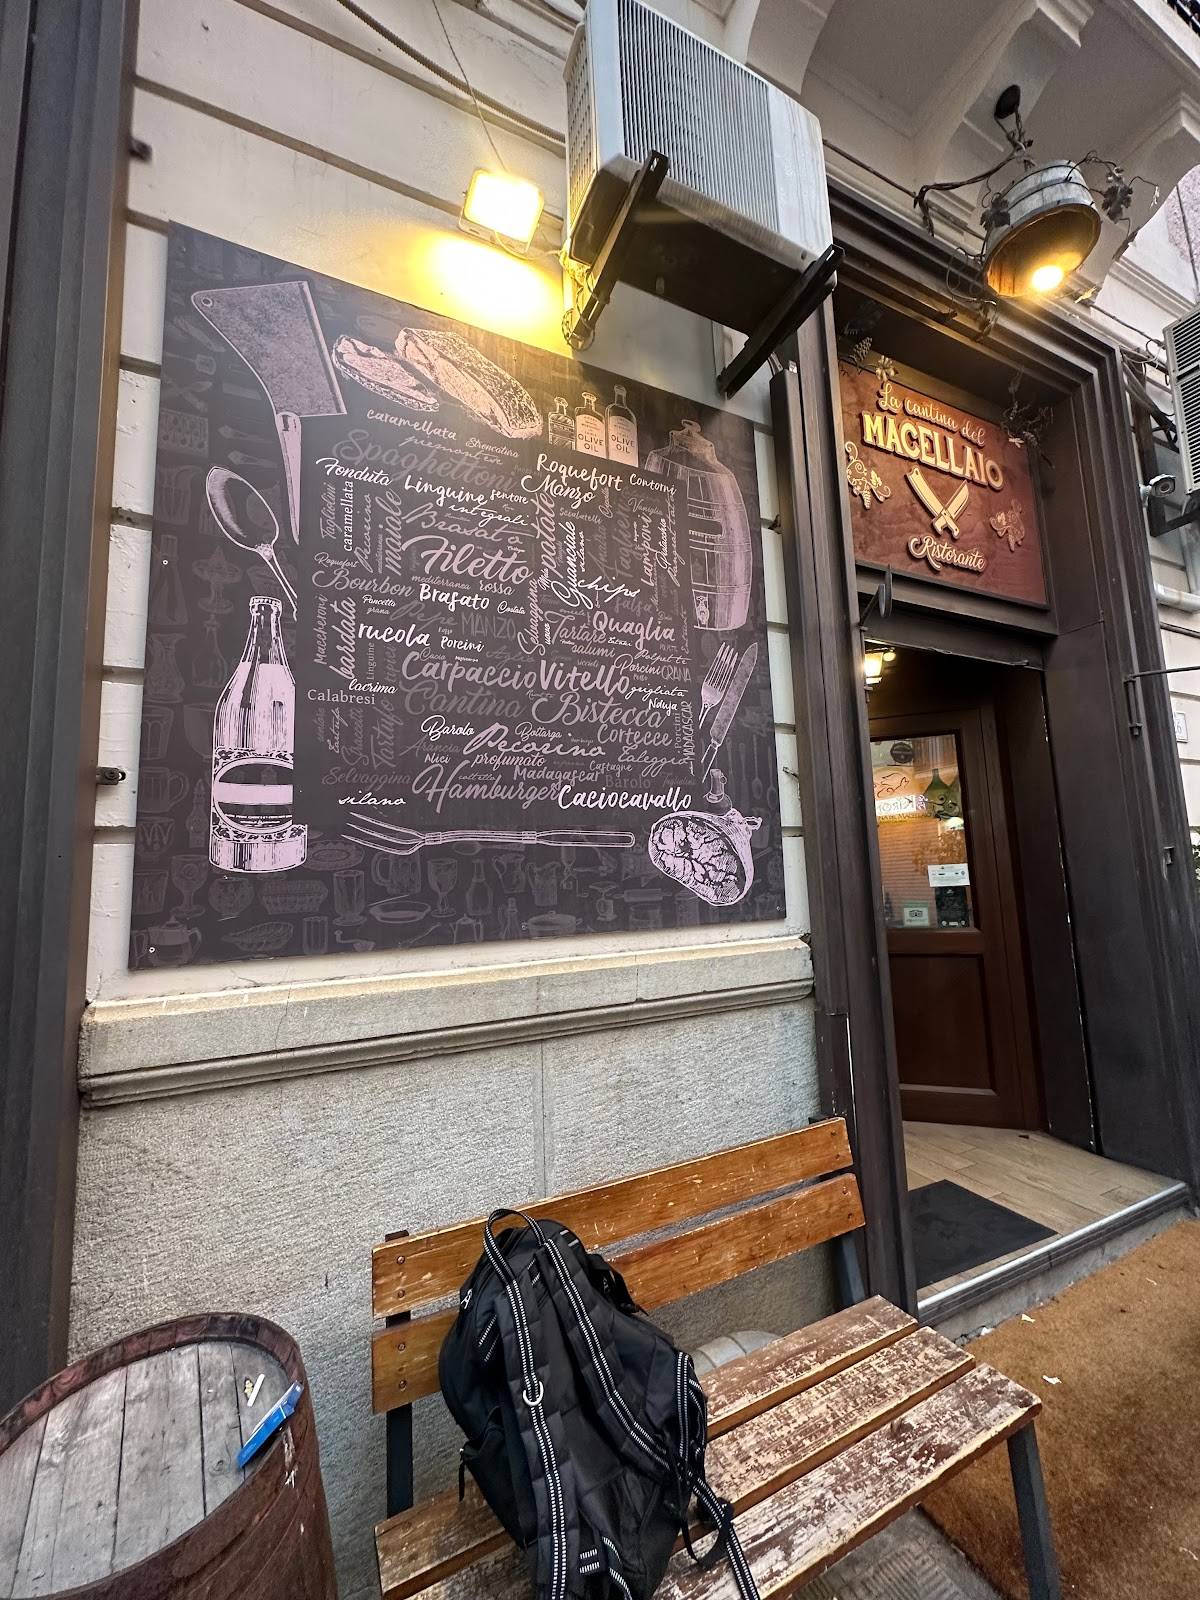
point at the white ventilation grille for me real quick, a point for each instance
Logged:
(582, 158)
(707, 113)
(1183, 360)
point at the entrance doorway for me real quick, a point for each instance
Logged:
(964, 1043)
(979, 947)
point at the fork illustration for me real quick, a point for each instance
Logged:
(716, 680)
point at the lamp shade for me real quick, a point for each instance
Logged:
(1051, 228)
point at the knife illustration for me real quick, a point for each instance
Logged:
(943, 515)
(728, 708)
(274, 328)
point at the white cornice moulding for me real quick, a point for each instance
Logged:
(139, 1049)
(1151, 288)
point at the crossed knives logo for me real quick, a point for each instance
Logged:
(944, 516)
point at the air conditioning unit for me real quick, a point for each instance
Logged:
(744, 206)
(1183, 364)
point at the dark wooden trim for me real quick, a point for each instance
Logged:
(57, 405)
(15, 31)
(956, 636)
(856, 1051)
(942, 601)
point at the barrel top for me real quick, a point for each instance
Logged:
(126, 1463)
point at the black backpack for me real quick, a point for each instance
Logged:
(585, 1426)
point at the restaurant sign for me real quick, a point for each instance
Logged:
(937, 493)
(449, 639)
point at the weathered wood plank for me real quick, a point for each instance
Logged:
(784, 1442)
(18, 1466)
(430, 1265)
(795, 1534)
(220, 1422)
(162, 1472)
(404, 1359)
(748, 1385)
(36, 1559)
(744, 1465)
(73, 1508)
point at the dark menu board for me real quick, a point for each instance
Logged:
(450, 639)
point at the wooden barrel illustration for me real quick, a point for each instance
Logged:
(119, 1476)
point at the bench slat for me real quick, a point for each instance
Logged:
(745, 1386)
(744, 1465)
(797, 1533)
(430, 1265)
(802, 1530)
(404, 1359)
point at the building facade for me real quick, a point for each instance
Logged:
(236, 1134)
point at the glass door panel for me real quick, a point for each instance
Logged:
(923, 844)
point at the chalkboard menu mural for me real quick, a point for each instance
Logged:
(450, 639)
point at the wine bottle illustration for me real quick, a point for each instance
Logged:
(589, 426)
(620, 429)
(254, 737)
(560, 426)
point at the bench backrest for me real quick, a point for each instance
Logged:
(412, 1271)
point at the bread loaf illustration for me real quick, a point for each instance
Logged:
(380, 371)
(453, 365)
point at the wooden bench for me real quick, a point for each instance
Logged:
(819, 1439)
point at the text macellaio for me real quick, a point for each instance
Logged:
(918, 441)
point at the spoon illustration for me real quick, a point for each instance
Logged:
(234, 504)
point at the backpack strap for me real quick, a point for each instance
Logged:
(551, 1474)
(692, 1417)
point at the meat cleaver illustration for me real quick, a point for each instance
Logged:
(274, 328)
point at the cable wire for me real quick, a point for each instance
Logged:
(487, 132)
(439, 71)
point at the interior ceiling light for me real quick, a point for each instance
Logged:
(500, 205)
(1046, 222)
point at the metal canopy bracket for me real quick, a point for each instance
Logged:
(880, 601)
(1133, 692)
(791, 311)
(598, 278)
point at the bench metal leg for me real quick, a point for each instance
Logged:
(399, 1432)
(1041, 1563)
(399, 1460)
(851, 1288)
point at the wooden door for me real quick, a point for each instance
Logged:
(963, 1041)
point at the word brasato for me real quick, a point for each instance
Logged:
(467, 593)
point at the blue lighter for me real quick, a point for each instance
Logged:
(270, 1424)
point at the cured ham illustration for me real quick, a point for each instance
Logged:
(710, 855)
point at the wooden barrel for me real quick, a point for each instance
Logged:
(119, 1477)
